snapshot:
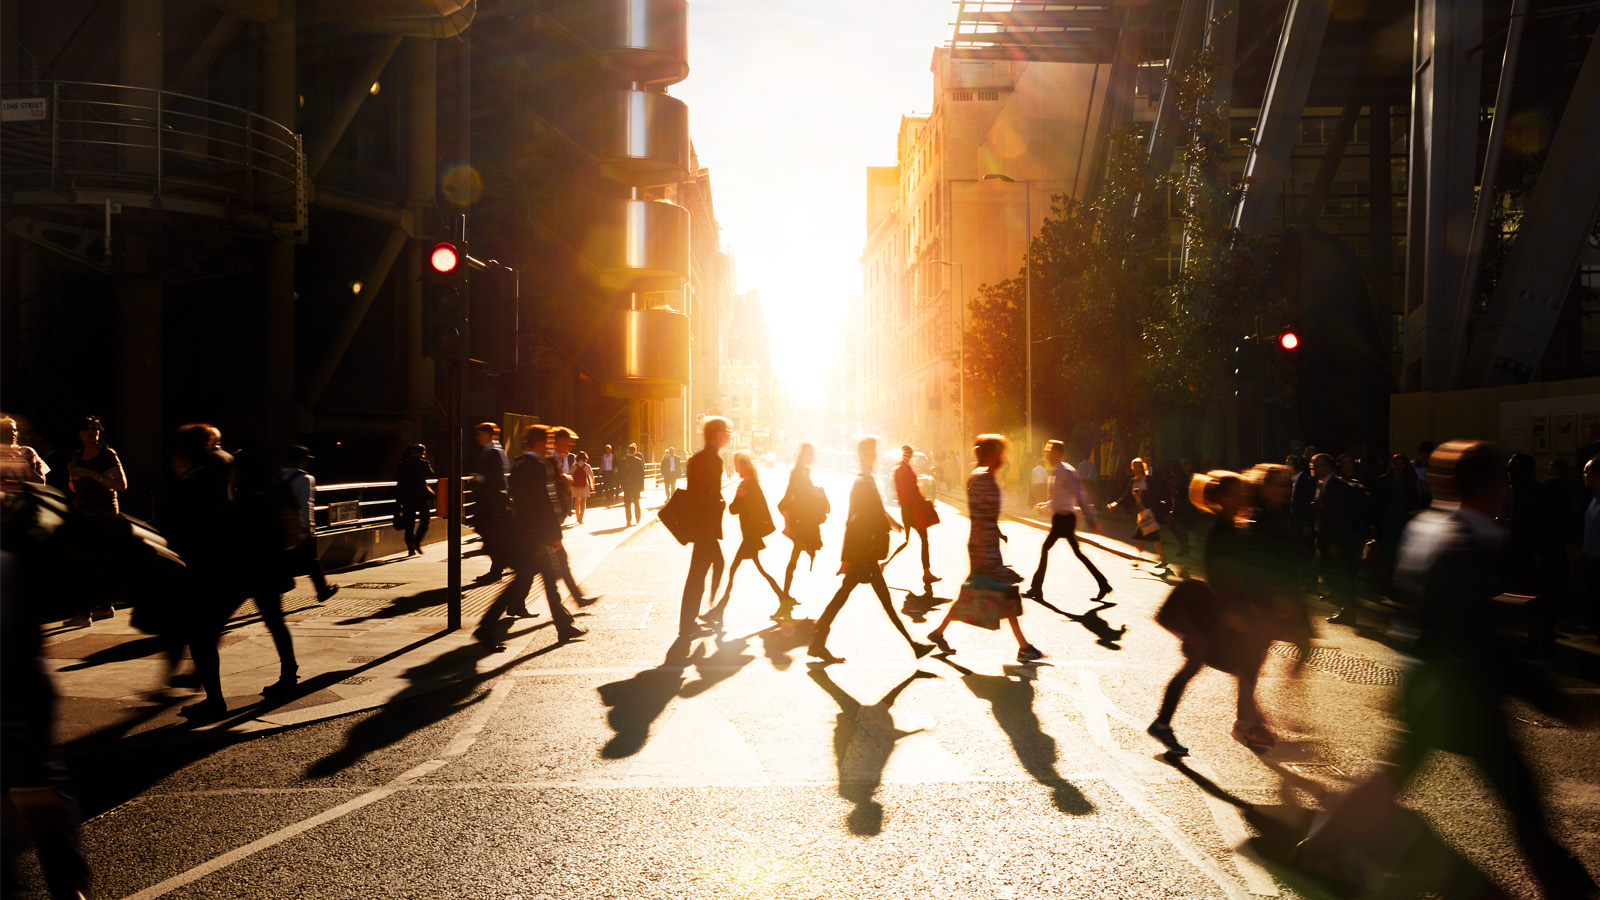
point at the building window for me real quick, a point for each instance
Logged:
(988, 95)
(961, 95)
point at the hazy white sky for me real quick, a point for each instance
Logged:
(789, 102)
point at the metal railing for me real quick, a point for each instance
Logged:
(154, 148)
(368, 504)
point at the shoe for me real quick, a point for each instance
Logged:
(204, 711)
(939, 641)
(921, 650)
(583, 602)
(1029, 654)
(1257, 737)
(324, 595)
(1162, 732)
(570, 633)
(1033, 593)
(100, 612)
(284, 685)
(81, 620)
(1342, 617)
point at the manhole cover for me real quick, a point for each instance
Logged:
(375, 585)
(1346, 666)
(356, 679)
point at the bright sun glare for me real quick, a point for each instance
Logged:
(791, 101)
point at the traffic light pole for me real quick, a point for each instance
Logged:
(453, 526)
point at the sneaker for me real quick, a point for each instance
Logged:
(324, 595)
(1029, 654)
(1162, 732)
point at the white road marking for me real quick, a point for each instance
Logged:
(458, 745)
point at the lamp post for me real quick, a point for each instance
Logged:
(1027, 289)
(961, 377)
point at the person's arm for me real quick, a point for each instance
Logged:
(1085, 505)
(114, 478)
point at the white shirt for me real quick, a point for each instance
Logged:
(1066, 492)
(1040, 474)
(608, 462)
(304, 487)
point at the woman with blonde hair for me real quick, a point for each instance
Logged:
(1147, 511)
(990, 593)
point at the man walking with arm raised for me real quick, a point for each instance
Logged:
(1067, 498)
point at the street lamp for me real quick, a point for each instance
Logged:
(1027, 288)
(961, 379)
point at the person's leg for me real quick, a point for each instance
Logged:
(564, 570)
(788, 573)
(882, 590)
(717, 566)
(514, 593)
(733, 568)
(578, 503)
(424, 517)
(1072, 541)
(694, 586)
(1161, 553)
(1192, 662)
(271, 607)
(927, 570)
(638, 510)
(547, 564)
(819, 635)
(1036, 586)
(203, 649)
(771, 582)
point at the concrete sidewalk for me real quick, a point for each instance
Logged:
(370, 644)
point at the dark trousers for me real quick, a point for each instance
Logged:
(905, 519)
(1064, 525)
(416, 524)
(1337, 566)
(707, 556)
(671, 483)
(489, 520)
(859, 574)
(529, 562)
(207, 631)
(563, 570)
(630, 505)
(303, 561)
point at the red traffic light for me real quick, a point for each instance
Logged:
(1288, 340)
(444, 258)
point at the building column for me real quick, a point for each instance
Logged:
(422, 160)
(280, 103)
(140, 425)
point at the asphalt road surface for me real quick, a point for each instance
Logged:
(614, 768)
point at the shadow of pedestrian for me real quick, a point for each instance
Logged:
(918, 606)
(1105, 635)
(636, 703)
(1010, 697)
(780, 640)
(440, 687)
(863, 738)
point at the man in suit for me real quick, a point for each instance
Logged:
(559, 470)
(533, 537)
(630, 471)
(866, 542)
(487, 493)
(671, 471)
(704, 488)
(1337, 522)
(1455, 698)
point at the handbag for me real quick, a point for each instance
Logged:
(1146, 523)
(984, 603)
(924, 515)
(677, 516)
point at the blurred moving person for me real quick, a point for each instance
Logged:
(804, 507)
(559, 464)
(1067, 498)
(487, 494)
(197, 519)
(413, 484)
(18, 464)
(866, 543)
(989, 595)
(704, 488)
(303, 556)
(755, 523)
(1337, 517)
(266, 532)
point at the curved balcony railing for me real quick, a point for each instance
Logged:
(88, 143)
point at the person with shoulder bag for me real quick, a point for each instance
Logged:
(700, 504)
(804, 507)
(755, 522)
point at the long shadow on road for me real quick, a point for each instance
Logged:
(1010, 697)
(863, 738)
(636, 703)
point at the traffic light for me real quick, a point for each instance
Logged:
(1289, 370)
(494, 318)
(1288, 339)
(444, 301)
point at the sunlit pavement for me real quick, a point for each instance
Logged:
(606, 768)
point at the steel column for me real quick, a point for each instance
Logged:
(280, 102)
(1295, 62)
(1538, 272)
(354, 96)
(1329, 166)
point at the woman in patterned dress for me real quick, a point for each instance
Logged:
(989, 573)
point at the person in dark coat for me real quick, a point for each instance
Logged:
(262, 505)
(487, 494)
(1338, 523)
(413, 484)
(1455, 698)
(804, 507)
(197, 520)
(630, 471)
(534, 530)
(1395, 499)
(755, 523)
(866, 543)
(916, 511)
(704, 490)
(1303, 516)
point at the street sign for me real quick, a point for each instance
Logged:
(24, 109)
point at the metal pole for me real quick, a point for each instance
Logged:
(458, 367)
(1491, 169)
(1027, 290)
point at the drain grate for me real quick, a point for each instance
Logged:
(362, 659)
(356, 679)
(1346, 666)
(374, 585)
